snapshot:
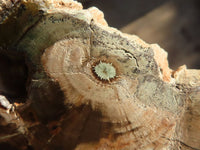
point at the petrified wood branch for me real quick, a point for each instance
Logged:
(91, 86)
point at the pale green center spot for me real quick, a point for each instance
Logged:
(105, 71)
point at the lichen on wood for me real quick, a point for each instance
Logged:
(92, 87)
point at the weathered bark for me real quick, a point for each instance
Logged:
(93, 87)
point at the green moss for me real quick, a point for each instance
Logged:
(20, 19)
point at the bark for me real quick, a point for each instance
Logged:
(89, 86)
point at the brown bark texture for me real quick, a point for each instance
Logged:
(87, 86)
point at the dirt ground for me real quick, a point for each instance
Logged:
(173, 24)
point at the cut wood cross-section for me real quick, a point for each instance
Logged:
(91, 87)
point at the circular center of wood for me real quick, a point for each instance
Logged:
(105, 71)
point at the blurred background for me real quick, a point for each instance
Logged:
(173, 24)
